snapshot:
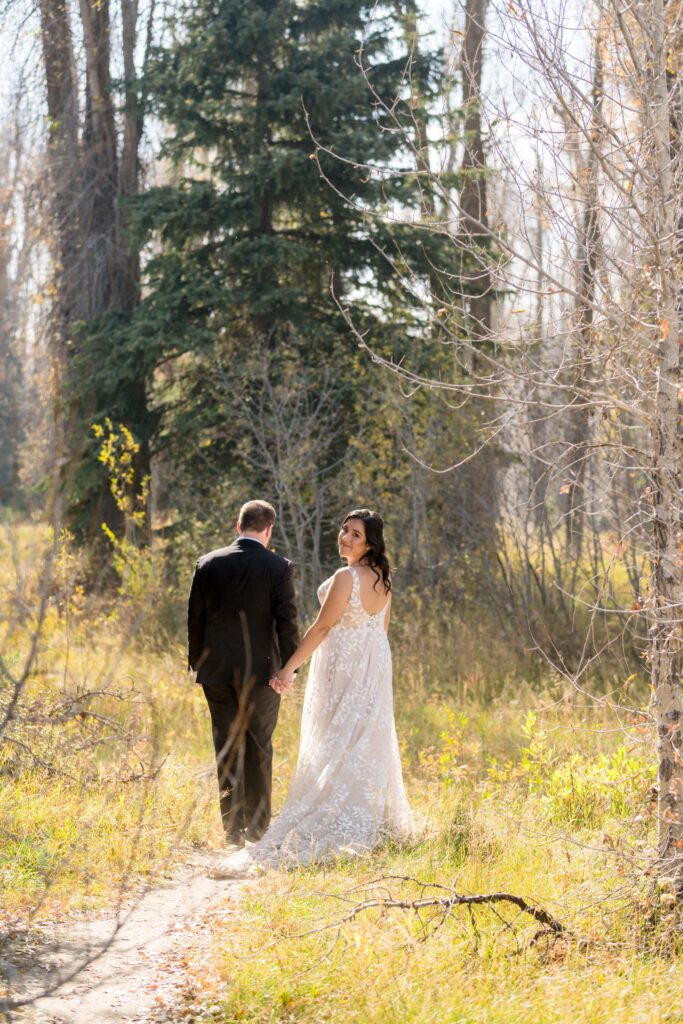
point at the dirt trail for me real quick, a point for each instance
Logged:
(129, 980)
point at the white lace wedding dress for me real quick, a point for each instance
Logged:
(348, 789)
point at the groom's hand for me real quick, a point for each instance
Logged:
(281, 686)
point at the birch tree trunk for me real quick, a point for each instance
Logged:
(667, 470)
(10, 367)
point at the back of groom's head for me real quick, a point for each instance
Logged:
(256, 516)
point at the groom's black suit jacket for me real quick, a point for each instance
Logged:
(241, 618)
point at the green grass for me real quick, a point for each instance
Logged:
(102, 792)
(545, 806)
(515, 789)
(395, 966)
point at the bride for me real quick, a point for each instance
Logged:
(347, 792)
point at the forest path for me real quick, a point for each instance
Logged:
(139, 955)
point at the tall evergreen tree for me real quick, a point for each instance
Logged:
(273, 126)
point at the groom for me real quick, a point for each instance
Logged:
(242, 628)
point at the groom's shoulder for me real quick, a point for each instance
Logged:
(256, 553)
(216, 555)
(277, 561)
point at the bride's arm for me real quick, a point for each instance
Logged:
(332, 610)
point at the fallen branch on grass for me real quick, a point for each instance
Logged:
(447, 903)
(442, 904)
(457, 900)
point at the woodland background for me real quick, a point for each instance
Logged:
(337, 254)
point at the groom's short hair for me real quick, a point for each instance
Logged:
(256, 515)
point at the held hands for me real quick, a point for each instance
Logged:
(282, 683)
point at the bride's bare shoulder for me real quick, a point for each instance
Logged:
(341, 579)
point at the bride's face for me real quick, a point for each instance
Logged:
(352, 542)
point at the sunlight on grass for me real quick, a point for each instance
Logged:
(108, 783)
(284, 956)
(559, 817)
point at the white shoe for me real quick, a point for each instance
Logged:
(223, 872)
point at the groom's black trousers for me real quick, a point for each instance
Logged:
(243, 717)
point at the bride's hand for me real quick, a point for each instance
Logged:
(281, 685)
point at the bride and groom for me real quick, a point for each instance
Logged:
(244, 646)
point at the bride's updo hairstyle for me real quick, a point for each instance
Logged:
(376, 557)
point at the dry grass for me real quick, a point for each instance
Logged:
(520, 791)
(281, 957)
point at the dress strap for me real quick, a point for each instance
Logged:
(355, 585)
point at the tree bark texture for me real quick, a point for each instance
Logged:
(97, 271)
(64, 161)
(579, 422)
(473, 201)
(667, 469)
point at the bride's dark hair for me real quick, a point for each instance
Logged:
(376, 557)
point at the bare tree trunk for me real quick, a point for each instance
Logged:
(100, 234)
(474, 240)
(116, 268)
(98, 272)
(129, 185)
(537, 468)
(63, 153)
(578, 435)
(101, 161)
(66, 181)
(10, 367)
(667, 471)
(132, 115)
(473, 202)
